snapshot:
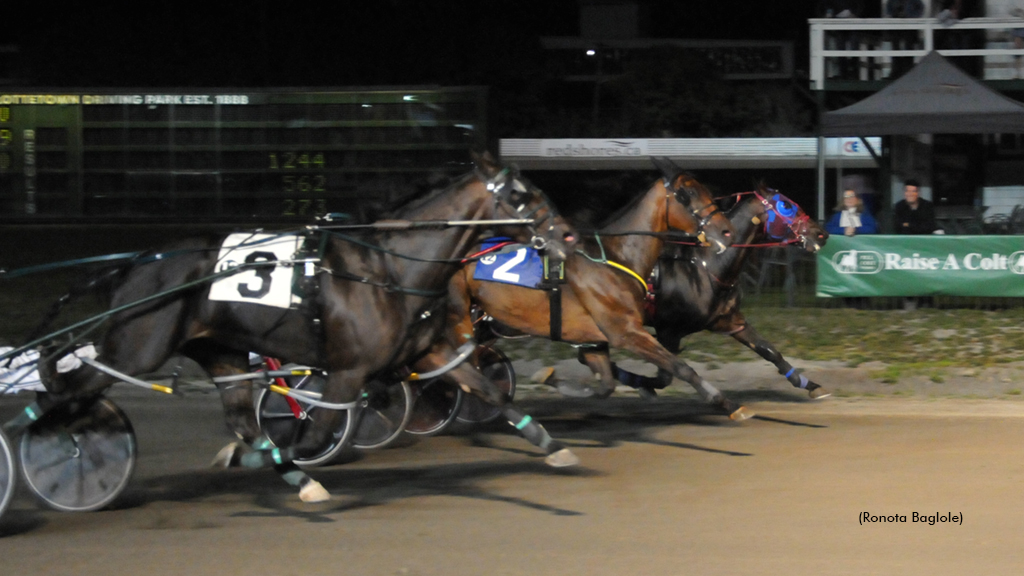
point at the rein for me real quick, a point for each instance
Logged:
(791, 224)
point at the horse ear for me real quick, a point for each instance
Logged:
(485, 162)
(667, 168)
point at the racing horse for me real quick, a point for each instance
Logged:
(697, 289)
(374, 303)
(604, 305)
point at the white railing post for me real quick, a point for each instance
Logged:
(817, 60)
(876, 51)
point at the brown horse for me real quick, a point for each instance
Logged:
(697, 289)
(375, 306)
(604, 304)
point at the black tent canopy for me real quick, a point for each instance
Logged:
(934, 97)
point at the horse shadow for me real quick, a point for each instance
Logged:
(611, 421)
(352, 488)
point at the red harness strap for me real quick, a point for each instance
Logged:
(487, 251)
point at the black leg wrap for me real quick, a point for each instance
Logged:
(530, 429)
(639, 381)
(28, 415)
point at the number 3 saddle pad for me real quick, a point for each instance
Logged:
(523, 267)
(269, 285)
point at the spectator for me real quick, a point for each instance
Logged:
(913, 214)
(851, 217)
(904, 39)
(849, 68)
(904, 8)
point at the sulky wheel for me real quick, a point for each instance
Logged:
(79, 456)
(8, 473)
(383, 414)
(436, 407)
(498, 369)
(278, 419)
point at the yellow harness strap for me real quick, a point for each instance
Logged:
(642, 282)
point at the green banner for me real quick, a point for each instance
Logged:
(873, 265)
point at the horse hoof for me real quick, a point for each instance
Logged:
(543, 376)
(741, 413)
(818, 393)
(647, 393)
(562, 459)
(574, 390)
(313, 492)
(226, 458)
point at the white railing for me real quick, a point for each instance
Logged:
(874, 42)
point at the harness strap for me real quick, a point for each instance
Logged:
(555, 304)
(635, 276)
(553, 284)
(464, 352)
(604, 260)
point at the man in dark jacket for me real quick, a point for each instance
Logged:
(913, 214)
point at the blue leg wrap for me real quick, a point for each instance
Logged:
(265, 458)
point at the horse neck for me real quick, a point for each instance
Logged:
(728, 265)
(638, 252)
(465, 202)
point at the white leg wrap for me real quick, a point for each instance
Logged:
(707, 391)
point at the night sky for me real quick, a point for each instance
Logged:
(384, 42)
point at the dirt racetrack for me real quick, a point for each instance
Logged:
(665, 488)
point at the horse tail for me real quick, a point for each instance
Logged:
(101, 281)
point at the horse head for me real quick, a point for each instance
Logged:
(516, 197)
(786, 222)
(695, 210)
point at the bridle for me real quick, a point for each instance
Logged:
(794, 221)
(686, 197)
(511, 194)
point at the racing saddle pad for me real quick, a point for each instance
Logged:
(269, 285)
(523, 267)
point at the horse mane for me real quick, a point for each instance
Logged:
(388, 195)
(629, 205)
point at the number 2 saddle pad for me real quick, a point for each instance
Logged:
(523, 267)
(269, 285)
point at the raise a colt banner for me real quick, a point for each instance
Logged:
(874, 265)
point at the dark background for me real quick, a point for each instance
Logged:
(264, 44)
(384, 42)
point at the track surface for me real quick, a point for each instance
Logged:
(664, 489)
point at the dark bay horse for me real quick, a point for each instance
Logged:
(376, 304)
(604, 304)
(697, 289)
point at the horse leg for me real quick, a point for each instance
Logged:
(472, 381)
(606, 373)
(236, 397)
(751, 339)
(639, 341)
(342, 387)
(646, 386)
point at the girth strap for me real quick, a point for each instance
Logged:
(554, 279)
